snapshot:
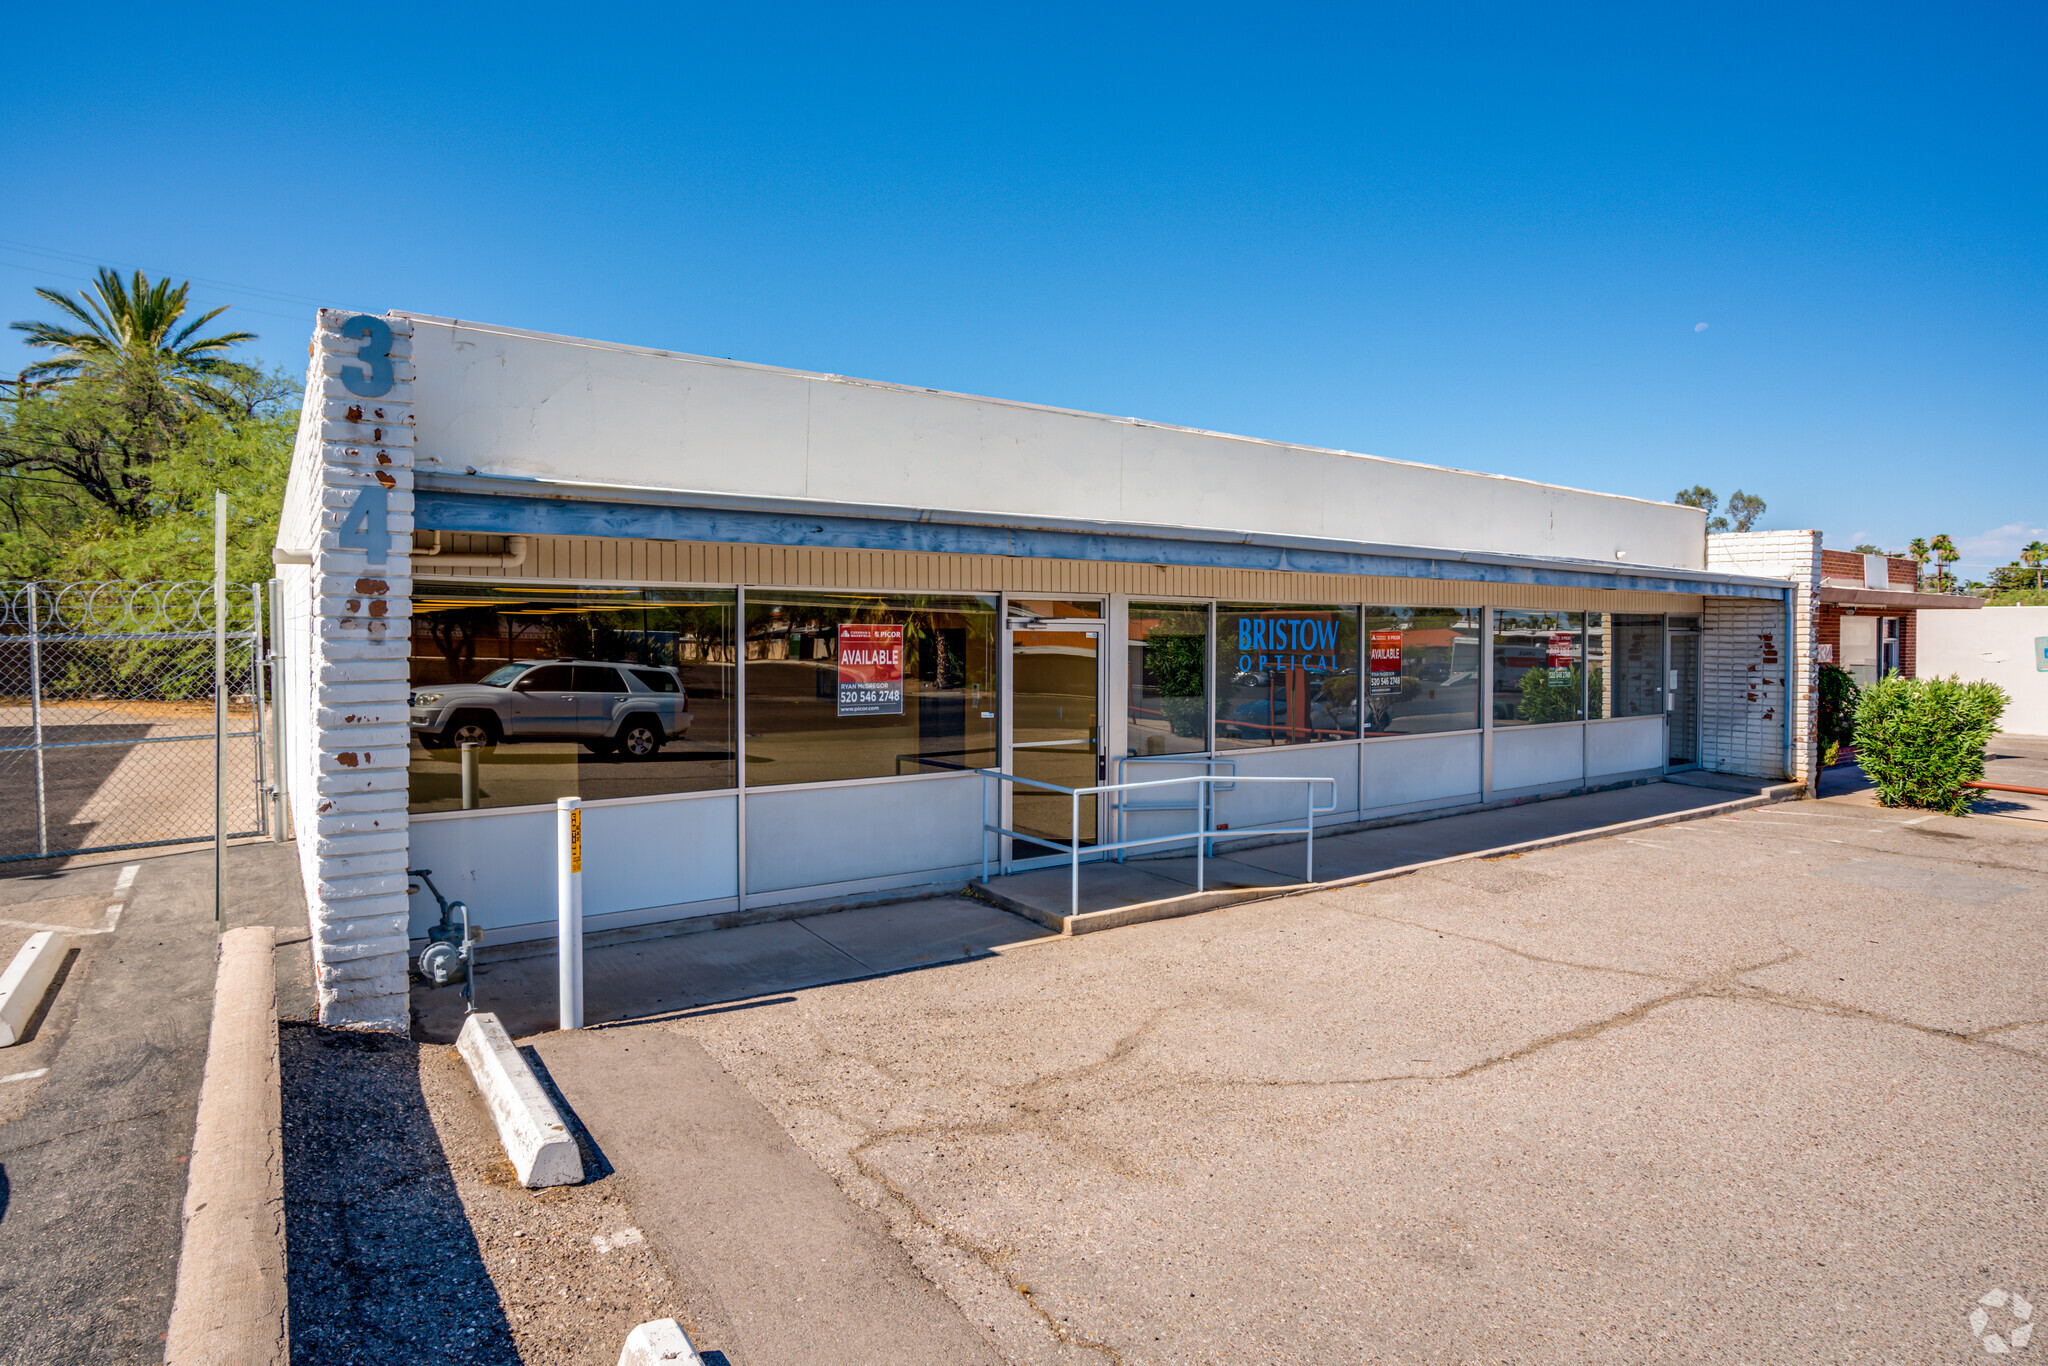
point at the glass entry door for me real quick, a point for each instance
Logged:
(1682, 697)
(1055, 716)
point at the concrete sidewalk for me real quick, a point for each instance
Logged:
(650, 977)
(771, 1261)
(642, 978)
(1113, 894)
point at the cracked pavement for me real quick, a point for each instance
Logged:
(1692, 1094)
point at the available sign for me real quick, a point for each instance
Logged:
(1564, 653)
(1386, 663)
(870, 669)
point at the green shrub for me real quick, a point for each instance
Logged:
(1838, 696)
(1921, 739)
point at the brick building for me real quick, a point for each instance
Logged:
(1869, 608)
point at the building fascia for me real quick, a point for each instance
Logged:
(1841, 595)
(501, 505)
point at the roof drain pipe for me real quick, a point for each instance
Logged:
(1788, 654)
(514, 556)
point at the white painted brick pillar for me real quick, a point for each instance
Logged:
(352, 829)
(1751, 671)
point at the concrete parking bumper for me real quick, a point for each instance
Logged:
(535, 1138)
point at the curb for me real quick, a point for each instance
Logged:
(26, 979)
(529, 1126)
(659, 1343)
(230, 1304)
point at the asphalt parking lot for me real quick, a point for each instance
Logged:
(1762, 1087)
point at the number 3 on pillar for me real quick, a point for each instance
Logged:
(375, 334)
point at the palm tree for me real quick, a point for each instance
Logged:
(2034, 555)
(1920, 553)
(125, 328)
(1945, 551)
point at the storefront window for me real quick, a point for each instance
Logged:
(1538, 673)
(1285, 675)
(568, 692)
(844, 686)
(1638, 667)
(1422, 670)
(1599, 668)
(1169, 709)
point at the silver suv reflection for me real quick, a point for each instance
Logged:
(629, 709)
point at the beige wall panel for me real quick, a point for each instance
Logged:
(582, 559)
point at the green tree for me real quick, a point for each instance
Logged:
(1867, 549)
(1745, 508)
(131, 332)
(1544, 701)
(1701, 497)
(111, 449)
(1920, 554)
(1946, 554)
(2034, 555)
(83, 495)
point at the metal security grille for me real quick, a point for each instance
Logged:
(107, 736)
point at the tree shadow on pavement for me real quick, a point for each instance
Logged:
(381, 1263)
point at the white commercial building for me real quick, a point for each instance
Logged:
(2003, 645)
(774, 627)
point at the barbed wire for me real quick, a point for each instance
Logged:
(119, 607)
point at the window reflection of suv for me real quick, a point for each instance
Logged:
(629, 709)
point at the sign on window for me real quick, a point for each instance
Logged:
(1386, 663)
(1563, 654)
(870, 669)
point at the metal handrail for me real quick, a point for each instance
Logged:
(1202, 835)
(1209, 763)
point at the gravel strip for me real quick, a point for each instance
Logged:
(410, 1239)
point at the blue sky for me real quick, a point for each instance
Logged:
(1481, 237)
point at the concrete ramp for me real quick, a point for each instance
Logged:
(777, 1264)
(1114, 894)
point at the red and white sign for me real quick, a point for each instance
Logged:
(870, 669)
(1564, 654)
(1386, 663)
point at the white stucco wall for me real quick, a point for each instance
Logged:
(1995, 644)
(505, 402)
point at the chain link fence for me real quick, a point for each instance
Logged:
(107, 734)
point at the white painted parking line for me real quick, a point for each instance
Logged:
(36, 926)
(127, 878)
(30, 1075)
(113, 918)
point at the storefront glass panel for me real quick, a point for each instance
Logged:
(1635, 676)
(1538, 667)
(568, 692)
(1285, 675)
(1056, 730)
(1422, 673)
(843, 686)
(1169, 664)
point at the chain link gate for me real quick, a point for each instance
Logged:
(107, 735)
